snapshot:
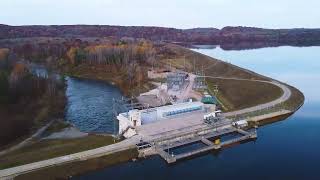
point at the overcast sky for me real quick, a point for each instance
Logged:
(167, 13)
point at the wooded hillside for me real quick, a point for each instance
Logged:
(26, 101)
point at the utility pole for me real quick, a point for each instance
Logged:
(215, 90)
(184, 65)
(194, 64)
(204, 78)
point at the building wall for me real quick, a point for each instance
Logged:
(158, 114)
(124, 123)
(162, 112)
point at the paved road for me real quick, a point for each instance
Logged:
(98, 152)
(285, 96)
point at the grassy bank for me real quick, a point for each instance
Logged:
(295, 101)
(237, 95)
(192, 61)
(57, 126)
(81, 167)
(232, 94)
(47, 149)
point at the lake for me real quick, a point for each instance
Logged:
(284, 150)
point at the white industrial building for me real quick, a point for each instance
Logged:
(129, 120)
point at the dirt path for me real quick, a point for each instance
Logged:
(67, 133)
(28, 140)
(188, 91)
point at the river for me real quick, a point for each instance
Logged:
(284, 150)
(89, 105)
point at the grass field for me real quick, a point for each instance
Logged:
(47, 149)
(237, 95)
(233, 94)
(193, 61)
(81, 167)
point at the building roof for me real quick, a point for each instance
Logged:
(209, 100)
(176, 106)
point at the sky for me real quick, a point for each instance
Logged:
(166, 13)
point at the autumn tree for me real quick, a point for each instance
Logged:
(76, 55)
(4, 87)
(4, 53)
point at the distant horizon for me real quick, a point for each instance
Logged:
(179, 14)
(154, 26)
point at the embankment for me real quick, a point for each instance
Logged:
(233, 94)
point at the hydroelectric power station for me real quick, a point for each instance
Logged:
(161, 130)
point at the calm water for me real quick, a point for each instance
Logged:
(288, 149)
(90, 105)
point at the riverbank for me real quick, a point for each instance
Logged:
(108, 74)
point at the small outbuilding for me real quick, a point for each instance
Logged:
(208, 99)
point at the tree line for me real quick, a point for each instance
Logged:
(128, 56)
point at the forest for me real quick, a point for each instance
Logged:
(27, 101)
(123, 57)
(226, 35)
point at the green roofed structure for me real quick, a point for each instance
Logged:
(209, 100)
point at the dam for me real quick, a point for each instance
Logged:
(173, 126)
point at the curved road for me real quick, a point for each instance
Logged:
(285, 96)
